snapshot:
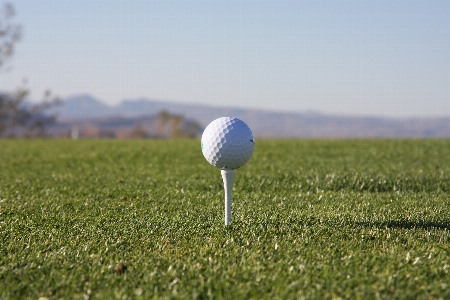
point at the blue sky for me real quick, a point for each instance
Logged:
(389, 58)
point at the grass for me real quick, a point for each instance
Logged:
(140, 219)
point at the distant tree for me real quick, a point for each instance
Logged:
(191, 129)
(138, 131)
(176, 130)
(176, 126)
(17, 117)
(162, 118)
(10, 33)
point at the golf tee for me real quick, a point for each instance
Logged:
(227, 176)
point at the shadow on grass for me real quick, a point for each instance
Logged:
(403, 224)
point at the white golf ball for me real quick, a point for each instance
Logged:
(227, 143)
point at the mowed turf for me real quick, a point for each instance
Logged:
(140, 219)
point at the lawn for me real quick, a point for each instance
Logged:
(140, 219)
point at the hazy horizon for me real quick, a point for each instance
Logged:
(369, 58)
(170, 104)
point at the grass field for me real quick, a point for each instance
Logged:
(312, 219)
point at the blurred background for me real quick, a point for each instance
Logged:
(160, 69)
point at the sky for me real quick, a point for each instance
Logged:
(384, 58)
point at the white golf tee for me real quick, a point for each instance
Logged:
(227, 176)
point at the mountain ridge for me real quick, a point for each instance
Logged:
(264, 123)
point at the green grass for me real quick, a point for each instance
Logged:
(312, 219)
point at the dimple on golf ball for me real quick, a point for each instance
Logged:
(227, 143)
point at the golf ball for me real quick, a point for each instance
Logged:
(227, 143)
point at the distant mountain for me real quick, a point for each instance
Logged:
(85, 108)
(81, 107)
